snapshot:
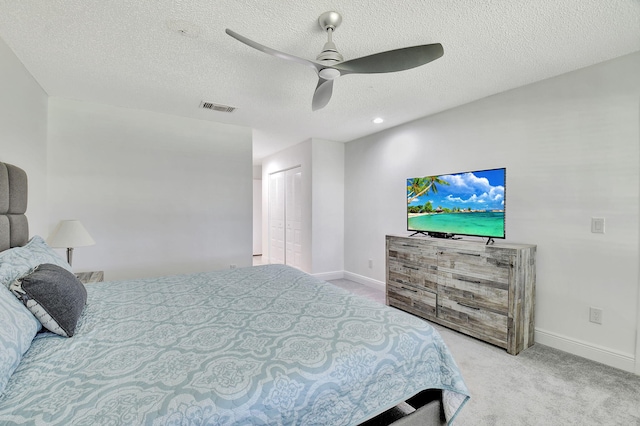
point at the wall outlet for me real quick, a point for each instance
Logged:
(595, 315)
(597, 225)
(232, 266)
(370, 263)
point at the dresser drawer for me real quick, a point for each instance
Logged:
(408, 298)
(478, 322)
(473, 291)
(412, 250)
(482, 262)
(425, 276)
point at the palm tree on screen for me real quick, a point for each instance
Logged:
(420, 186)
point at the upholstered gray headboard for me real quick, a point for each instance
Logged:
(14, 228)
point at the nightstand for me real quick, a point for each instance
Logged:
(90, 277)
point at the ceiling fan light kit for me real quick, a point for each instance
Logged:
(331, 64)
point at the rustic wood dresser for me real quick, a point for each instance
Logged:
(485, 291)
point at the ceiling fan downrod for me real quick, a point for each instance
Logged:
(329, 21)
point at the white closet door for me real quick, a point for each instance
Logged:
(276, 218)
(293, 217)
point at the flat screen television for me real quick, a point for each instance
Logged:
(468, 203)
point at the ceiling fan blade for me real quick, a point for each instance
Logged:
(322, 95)
(317, 67)
(392, 60)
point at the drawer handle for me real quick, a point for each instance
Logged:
(410, 289)
(470, 307)
(468, 280)
(463, 253)
(411, 267)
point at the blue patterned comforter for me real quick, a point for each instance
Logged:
(252, 346)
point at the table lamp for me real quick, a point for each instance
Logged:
(70, 234)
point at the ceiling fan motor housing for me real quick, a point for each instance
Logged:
(330, 53)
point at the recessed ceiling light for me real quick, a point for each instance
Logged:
(378, 120)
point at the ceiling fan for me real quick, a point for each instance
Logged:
(331, 65)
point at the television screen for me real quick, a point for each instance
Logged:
(469, 203)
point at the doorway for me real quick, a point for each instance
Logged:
(285, 217)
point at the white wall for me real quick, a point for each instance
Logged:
(257, 210)
(23, 132)
(160, 194)
(327, 208)
(571, 148)
(257, 217)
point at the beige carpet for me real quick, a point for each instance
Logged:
(541, 386)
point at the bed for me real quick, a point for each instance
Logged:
(250, 346)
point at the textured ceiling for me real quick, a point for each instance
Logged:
(133, 54)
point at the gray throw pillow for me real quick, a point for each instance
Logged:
(53, 295)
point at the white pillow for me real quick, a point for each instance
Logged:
(19, 261)
(18, 327)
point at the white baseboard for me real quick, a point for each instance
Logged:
(361, 279)
(327, 276)
(370, 282)
(596, 353)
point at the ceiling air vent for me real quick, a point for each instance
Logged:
(217, 107)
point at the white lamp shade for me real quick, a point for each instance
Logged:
(70, 233)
